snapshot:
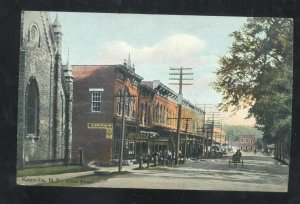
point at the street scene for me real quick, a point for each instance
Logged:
(259, 173)
(171, 105)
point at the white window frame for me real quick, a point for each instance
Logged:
(93, 101)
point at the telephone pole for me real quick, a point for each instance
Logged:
(185, 141)
(123, 125)
(204, 129)
(179, 102)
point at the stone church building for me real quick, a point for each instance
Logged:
(45, 94)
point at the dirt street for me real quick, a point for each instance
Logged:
(259, 173)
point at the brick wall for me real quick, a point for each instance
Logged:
(37, 62)
(93, 142)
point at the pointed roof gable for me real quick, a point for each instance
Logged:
(56, 21)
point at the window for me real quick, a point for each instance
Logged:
(96, 100)
(161, 114)
(132, 102)
(34, 34)
(145, 114)
(32, 106)
(119, 106)
(242, 140)
(168, 121)
(142, 114)
(157, 113)
(149, 114)
(127, 104)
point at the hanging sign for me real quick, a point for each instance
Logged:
(138, 136)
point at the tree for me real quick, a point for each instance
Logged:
(257, 73)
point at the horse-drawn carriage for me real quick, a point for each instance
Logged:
(236, 158)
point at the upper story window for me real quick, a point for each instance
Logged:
(145, 112)
(149, 114)
(127, 104)
(119, 106)
(142, 114)
(96, 100)
(161, 114)
(242, 140)
(34, 34)
(132, 102)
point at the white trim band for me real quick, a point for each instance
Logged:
(95, 89)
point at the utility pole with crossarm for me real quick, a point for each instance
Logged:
(179, 102)
(125, 100)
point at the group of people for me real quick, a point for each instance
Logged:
(164, 157)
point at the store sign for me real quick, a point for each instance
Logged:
(138, 136)
(106, 126)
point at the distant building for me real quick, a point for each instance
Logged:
(44, 95)
(247, 143)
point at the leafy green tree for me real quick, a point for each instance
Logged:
(257, 72)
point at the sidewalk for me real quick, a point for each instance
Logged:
(34, 180)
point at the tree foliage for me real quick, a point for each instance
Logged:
(258, 73)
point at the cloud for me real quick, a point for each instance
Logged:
(175, 50)
(153, 62)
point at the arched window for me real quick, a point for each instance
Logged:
(34, 34)
(161, 114)
(142, 114)
(32, 108)
(145, 114)
(167, 116)
(132, 102)
(127, 103)
(119, 106)
(149, 114)
(154, 114)
(157, 113)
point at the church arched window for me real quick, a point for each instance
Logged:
(32, 108)
(34, 34)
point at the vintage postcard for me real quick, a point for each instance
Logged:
(154, 101)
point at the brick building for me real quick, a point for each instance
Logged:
(150, 107)
(247, 143)
(44, 95)
(98, 99)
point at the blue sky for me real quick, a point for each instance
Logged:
(155, 43)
